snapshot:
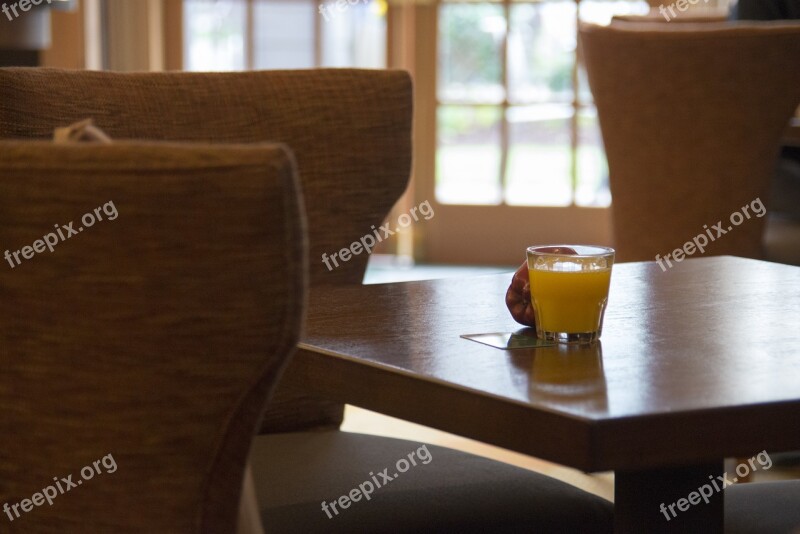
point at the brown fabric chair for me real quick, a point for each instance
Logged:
(692, 116)
(351, 133)
(138, 355)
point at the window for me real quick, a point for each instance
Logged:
(516, 123)
(282, 34)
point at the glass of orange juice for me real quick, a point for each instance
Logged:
(569, 290)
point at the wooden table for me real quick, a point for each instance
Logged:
(696, 364)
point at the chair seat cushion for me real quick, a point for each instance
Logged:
(763, 507)
(446, 491)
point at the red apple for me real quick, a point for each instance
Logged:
(518, 297)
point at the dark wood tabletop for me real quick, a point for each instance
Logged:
(696, 363)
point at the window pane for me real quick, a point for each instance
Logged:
(283, 34)
(544, 165)
(468, 158)
(592, 189)
(470, 47)
(541, 52)
(355, 37)
(214, 35)
(539, 160)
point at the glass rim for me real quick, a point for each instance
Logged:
(598, 250)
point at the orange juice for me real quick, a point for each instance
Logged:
(569, 301)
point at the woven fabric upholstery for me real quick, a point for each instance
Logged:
(155, 337)
(350, 131)
(691, 116)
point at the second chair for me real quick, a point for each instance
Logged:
(691, 116)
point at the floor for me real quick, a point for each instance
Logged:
(384, 269)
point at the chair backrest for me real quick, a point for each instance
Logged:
(349, 129)
(137, 356)
(657, 17)
(691, 117)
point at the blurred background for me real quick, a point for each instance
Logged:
(506, 138)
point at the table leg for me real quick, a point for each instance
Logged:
(648, 501)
